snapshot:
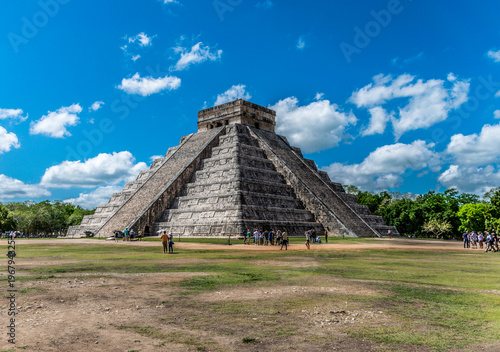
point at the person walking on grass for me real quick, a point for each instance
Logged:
(164, 241)
(284, 241)
(171, 244)
(480, 239)
(308, 239)
(326, 236)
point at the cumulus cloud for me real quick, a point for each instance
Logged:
(146, 86)
(301, 43)
(429, 101)
(12, 188)
(12, 114)
(104, 169)
(496, 114)
(8, 140)
(378, 120)
(476, 149)
(96, 106)
(141, 39)
(197, 54)
(314, 127)
(478, 180)
(233, 93)
(494, 55)
(384, 167)
(97, 197)
(55, 122)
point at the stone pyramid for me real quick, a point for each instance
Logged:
(235, 173)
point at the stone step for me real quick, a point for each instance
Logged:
(247, 172)
(237, 197)
(237, 211)
(241, 183)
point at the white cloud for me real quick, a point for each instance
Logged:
(301, 43)
(96, 106)
(136, 57)
(314, 127)
(104, 169)
(495, 55)
(154, 157)
(470, 179)
(8, 140)
(496, 114)
(474, 149)
(197, 54)
(233, 93)
(142, 39)
(12, 188)
(378, 121)
(384, 167)
(170, 1)
(319, 96)
(148, 85)
(55, 122)
(429, 101)
(97, 197)
(397, 61)
(497, 94)
(12, 114)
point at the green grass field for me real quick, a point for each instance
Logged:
(430, 295)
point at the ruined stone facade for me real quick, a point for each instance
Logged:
(235, 173)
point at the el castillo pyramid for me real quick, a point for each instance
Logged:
(235, 173)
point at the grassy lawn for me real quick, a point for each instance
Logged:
(428, 296)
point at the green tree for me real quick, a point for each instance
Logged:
(473, 217)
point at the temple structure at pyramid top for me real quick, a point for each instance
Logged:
(237, 112)
(234, 174)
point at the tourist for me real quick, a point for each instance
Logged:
(490, 243)
(278, 238)
(284, 241)
(266, 238)
(171, 244)
(308, 239)
(473, 238)
(125, 234)
(261, 238)
(389, 233)
(164, 241)
(139, 235)
(465, 237)
(326, 236)
(132, 233)
(495, 240)
(244, 234)
(248, 236)
(256, 237)
(480, 239)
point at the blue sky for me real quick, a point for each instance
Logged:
(397, 95)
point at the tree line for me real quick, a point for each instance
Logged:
(47, 218)
(440, 215)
